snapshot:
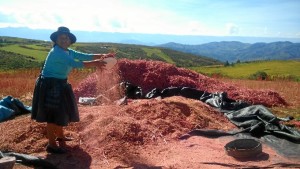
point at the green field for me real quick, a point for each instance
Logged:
(157, 52)
(35, 51)
(274, 70)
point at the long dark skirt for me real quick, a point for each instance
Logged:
(54, 102)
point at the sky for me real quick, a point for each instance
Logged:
(251, 18)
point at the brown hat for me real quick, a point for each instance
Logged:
(63, 30)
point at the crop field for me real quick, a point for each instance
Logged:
(290, 90)
(283, 70)
(20, 84)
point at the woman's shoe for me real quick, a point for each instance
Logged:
(55, 150)
(64, 139)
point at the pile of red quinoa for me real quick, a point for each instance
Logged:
(155, 74)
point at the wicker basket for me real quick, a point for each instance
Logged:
(243, 148)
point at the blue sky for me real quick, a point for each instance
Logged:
(254, 18)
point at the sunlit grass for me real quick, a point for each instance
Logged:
(39, 55)
(289, 90)
(20, 83)
(151, 51)
(275, 69)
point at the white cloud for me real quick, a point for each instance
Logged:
(155, 16)
(106, 16)
(232, 29)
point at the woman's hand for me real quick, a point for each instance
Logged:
(109, 55)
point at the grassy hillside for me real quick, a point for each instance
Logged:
(289, 70)
(15, 50)
(10, 60)
(35, 51)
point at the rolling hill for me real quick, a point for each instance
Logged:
(32, 53)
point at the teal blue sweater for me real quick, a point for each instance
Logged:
(59, 62)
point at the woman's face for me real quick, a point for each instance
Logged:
(63, 41)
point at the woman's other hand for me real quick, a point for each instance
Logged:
(99, 64)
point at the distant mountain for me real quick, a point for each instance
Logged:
(135, 38)
(233, 51)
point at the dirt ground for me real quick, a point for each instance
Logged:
(141, 135)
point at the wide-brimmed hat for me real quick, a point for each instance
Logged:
(63, 30)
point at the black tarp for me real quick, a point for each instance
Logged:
(29, 160)
(259, 121)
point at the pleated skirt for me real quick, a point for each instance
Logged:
(54, 102)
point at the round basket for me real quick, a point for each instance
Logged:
(243, 148)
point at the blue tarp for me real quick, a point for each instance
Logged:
(10, 107)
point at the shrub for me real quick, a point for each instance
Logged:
(259, 75)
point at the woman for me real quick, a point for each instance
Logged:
(53, 99)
